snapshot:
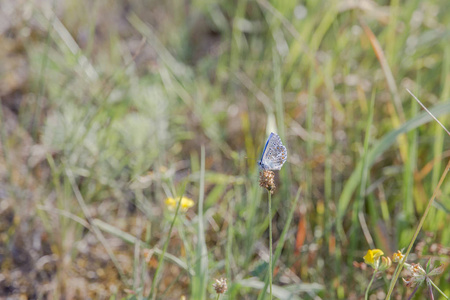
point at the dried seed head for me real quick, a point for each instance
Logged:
(220, 286)
(267, 180)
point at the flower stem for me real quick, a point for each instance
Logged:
(218, 297)
(436, 287)
(366, 297)
(270, 245)
(414, 292)
(153, 291)
(430, 290)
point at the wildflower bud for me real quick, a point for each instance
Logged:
(385, 263)
(416, 270)
(397, 257)
(220, 286)
(410, 282)
(266, 180)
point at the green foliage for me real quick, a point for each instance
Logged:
(136, 99)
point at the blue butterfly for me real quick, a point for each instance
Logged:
(274, 154)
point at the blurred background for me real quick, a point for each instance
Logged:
(107, 105)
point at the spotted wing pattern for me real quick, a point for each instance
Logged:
(274, 155)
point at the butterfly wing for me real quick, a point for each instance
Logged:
(274, 154)
(265, 147)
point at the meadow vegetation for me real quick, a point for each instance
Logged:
(112, 111)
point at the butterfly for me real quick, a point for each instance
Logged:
(274, 154)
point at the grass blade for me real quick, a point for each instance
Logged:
(200, 279)
(377, 150)
(426, 109)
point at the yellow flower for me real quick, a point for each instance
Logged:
(397, 257)
(186, 203)
(372, 258)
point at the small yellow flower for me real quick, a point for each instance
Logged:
(186, 203)
(397, 257)
(372, 258)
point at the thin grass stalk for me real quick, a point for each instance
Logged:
(360, 203)
(200, 280)
(255, 196)
(153, 291)
(410, 167)
(310, 129)
(137, 269)
(426, 109)
(3, 143)
(416, 233)
(430, 290)
(439, 137)
(281, 241)
(98, 234)
(328, 180)
(437, 288)
(230, 234)
(128, 238)
(270, 245)
(236, 36)
(366, 297)
(37, 109)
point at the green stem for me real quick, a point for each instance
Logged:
(366, 297)
(270, 245)
(218, 297)
(416, 233)
(436, 287)
(414, 292)
(430, 290)
(153, 290)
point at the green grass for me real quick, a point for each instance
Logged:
(124, 104)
